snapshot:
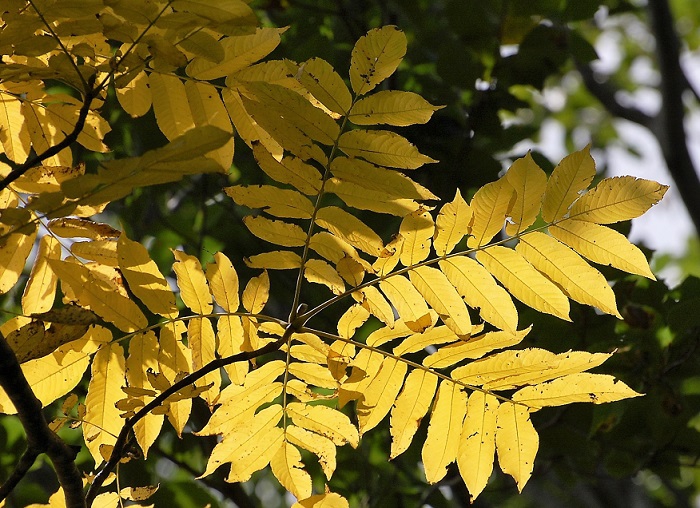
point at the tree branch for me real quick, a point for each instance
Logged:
(40, 438)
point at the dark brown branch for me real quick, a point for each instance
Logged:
(40, 438)
(119, 445)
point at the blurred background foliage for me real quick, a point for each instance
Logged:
(509, 73)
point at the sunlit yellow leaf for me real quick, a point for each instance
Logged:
(617, 199)
(202, 342)
(329, 500)
(320, 446)
(393, 108)
(230, 338)
(377, 305)
(431, 337)
(276, 231)
(40, 290)
(365, 366)
(14, 138)
(478, 288)
(602, 245)
(313, 374)
(407, 301)
(174, 357)
(580, 387)
(508, 369)
(208, 109)
(517, 442)
(320, 272)
(529, 183)
(350, 229)
(476, 347)
(572, 175)
(256, 293)
(524, 282)
(358, 196)
(384, 148)
(246, 127)
(194, 290)
(275, 260)
(375, 57)
(477, 442)
(72, 227)
(452, 224)
(443, 297)
(351, 320)
(411, 406)
(278, 202)
(417, 231)
(442, 442)
(579, 280)
(14, 251)
(135, 97)
(319, 78)
(223, 282)
(490, 206)
(170, 105)
(287, 467)
(380, 394)
(325, 421)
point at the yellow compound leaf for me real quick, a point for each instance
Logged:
(375, 302)
(524, 282)
(313, 374)
(194, 290)
(410, 408)
(144, 278)
(208, 109)
(40, 291)
(202, 342)
(14, 252)
(319, 78)
(349, 229)
(442, 442)
(572, 175)
(384, 148)
(380, 394)
(393, 108)
(287, 467)
(14, 138)
(275, 260)
(102, 251)
(517, 442)
(490, 206)
(508, 369)
(290, 170)
(417, 231)
(102, 421)
(325, 421)
(579, 387)
(431, 337)
(452, 224)
(443, 298)
(375, 57)
(277, 202)
(602, 245)
(479, 289)
(256, 293)
(475, 348)
(579, 280)
(250, 446)
(351, 320)
(170, 105)
(246, 127)
(529, 182)
(230, 339)
(320, 446)
(100, 296)
(72, 227)
(320, 272)
(477, 443)
(173, 358)
(358, 196)
(223, 282)
(407, 301)
(135, 97)
(330, 500)
(276, 231)
(617, 199)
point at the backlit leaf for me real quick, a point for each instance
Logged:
(529, 183)
(417, 231)
(490, 205)
(407, 301)
(290, 170)
(194, 290)
(170, 105)
(223, 282)
(411, 406)
(375, 57)
(276, 202)
(325, 421)
(320, 446)
(319, 78)
(475, 348)
(573, 175)
(393, 108)
(350, 229)
(452, 224)
(256, 293)
(276, 231)
(40, 291)
(443, 297)
(276, 260)
(517, 442)
(384, 148)
(13, 255)
(287, 467)
(380, 394)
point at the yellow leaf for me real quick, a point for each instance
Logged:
(239, 52)
(524, 282)
(275, 260)
(246, 127)
(192, 283)
(250, 446)
(277, 202)
(475, 348)
(417, 231)
(14, 138)
(71, 227)
(100, 296)
(351, 320)
(490, 206)
(393, 108)
(332, 247)
(508, 369)
(307, 353)
(442, 442)
(380, 394)
(571, 176)
(349, 229)
(288, 469)
(375, 57)
(319, 78)
(102, 421)
(170, 105)
(329, 500)
(40, 291)
(374, 302)
(34, 341)
(313, 374)
(351, 270)
(144, 278)
(602, 245)
(617, 199)
(516, 442)
(102, 251)
(384, 148)
(579, 280)
(320, 446)
(202, 342)
(138, 493)
(325, 421)
(230, 339)
(276, 231)
(443, 298)
(411, 406)
(208, 109)
(221, 13)
(579, 387)
(13, 255)
(477, 443)
(478, 288)
(362, 198)
(432, 337)
(223, 282)
(320, 272)
(530, 183)
(135, 97)
(365, 367)
(407, 301)
(256, 293)
(452, 224)
(173, 358)
(290, 170)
